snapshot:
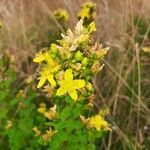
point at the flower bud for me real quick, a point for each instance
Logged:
(53, 49)
(89, 86)
(78, 56)
(84, 61)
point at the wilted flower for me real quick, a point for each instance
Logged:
(96, 67)
(29, 79)
(51, 114)
(21, 93)
(48, 90)
(9, 124)
(37, 131)
(76, 66)
(49, 134)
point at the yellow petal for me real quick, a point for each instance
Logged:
(41, 110)
(40, 57)
(79, 84)
(49, 59)
(61, 91)
(42, 81)
(68, 75)
(56, 68)
(51, 80)
(73, 94)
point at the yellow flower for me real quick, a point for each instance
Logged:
(68, 85)
(84, 120)
(48, 90)
(40, 57)
(61, 14)
(98, 122)
(46, 73)
(87, 11)
(51, 114)
(37, 131)
(42, 108)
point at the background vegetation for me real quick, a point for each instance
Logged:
(123, 85)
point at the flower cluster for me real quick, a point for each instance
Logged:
(97, 121)
(67, 68)
(61, 15)
(69, 65)
(87, 12)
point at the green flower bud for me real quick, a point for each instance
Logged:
(88, 77)
(53, 56)
(83, 68)
(53, 48)
(92, 27)
(78, 56)
(86, 72)
(89, 86)
(76, 73)
(85, 61)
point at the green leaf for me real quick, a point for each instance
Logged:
(65, 113)
(26, 125)
(3, 95)
(58, 140)
(70, 124)
(16, 139)
(50, 124)
(14, 101)
(77, 110)
(3, 113)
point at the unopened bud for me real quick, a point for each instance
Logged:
(78, 56)
(84, 61)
